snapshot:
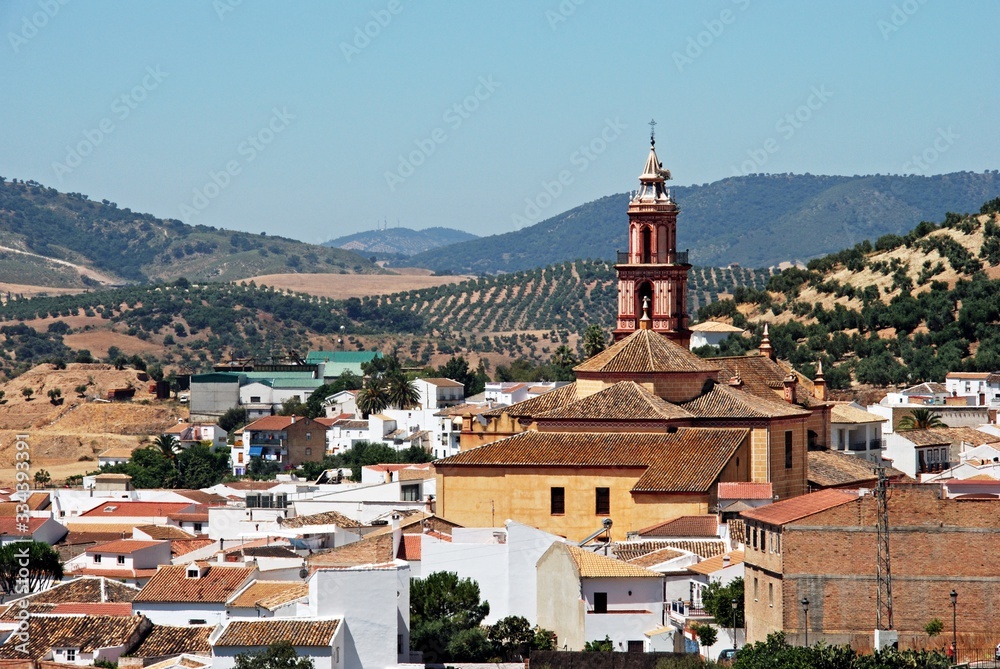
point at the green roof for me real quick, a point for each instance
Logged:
(294, 383)
(278, 375)
(349, 357)
(216, 377)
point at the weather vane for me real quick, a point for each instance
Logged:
(652, 132)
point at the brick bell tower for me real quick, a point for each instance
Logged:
(653, 272)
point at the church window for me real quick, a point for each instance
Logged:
(603, 505)
(557, 501)
(788, 449)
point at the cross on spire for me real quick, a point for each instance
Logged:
(652, 132)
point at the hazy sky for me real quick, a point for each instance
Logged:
(318, 119)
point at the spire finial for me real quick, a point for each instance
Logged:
(652, 132)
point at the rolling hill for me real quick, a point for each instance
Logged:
(397, 242)
(755, 220)
(66, 240)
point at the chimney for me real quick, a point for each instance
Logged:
(725, 560)
(791, 382)
(737, 380)
(765, 345)
(819, 383)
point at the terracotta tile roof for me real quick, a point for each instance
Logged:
(645, 352)
(714, 564)
(439, 535)
(270, 423)
(688, 460)
(270, 630)
(828, 469)
(85, 633)
(269, 552)
(930, 388)
(202, 497)
(115, 573)
(164, 641)
(164, 532)
(704, 548)
(253, 486)
(409, 547)
(180, 547)
(625, 400)
(102, 528)
(413, 521)
(796, 508)
(12, 527)
(124, 546)
(269, 594)
(324, 518)
(35, 501)
(762, 377)
(941, 436)
(745, 490)
(592, 565)
(686, 526)
(546, 402)
(171, 584)
(444, 383)
(654, 558)
(982, 376)
(714, 326)
(93, 609)
(136, 509)
(86, 589)
(417, 473)
(737, 530)
(723, 401)
(189, 517)
(352, 424)
(370, 550)
(463, 410)
(845, 413)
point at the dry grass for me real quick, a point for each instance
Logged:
(343, 286)
(35, 291)
(99, 341)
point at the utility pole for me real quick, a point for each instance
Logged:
(885, 633)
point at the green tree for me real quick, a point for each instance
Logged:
(42, 477)
(470, 645)
(605, 645)
(441, 606)
(27, 567)
(201, 467)
(27, 392)
(402, 391)
(512, 638)
(373, 397)
(260, 469)
(149, 468)
(563, 360)
(919, 419)
(293, 406)
(279, 655)
(166, 444)
(594, 341)
(233, 419)
(934, 627)
(707, 635)
(54, 395)
(717, 600)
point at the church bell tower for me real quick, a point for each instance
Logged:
(653, 272)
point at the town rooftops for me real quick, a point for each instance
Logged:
(625, 400)
(324, 518)
(830, 469)
(92, 609)
(553, 399)
(972, 376)
(165, 641)
(929, 388)
(268, 594)
(269, 423)
(723, 401)
(845, 413)
(592, 565)
(128, 509)
(12, 527)
(943, 436)
(706, 526)
(762, 377)
(86, 589)
(443, 383)
(714, 564)
(797, 508)
(745, 490)
(644, 352)
(687, 460)
(263, 632)
(656, 557)
(124, 546)
(84, 633)
(714, 326)
(172, 584)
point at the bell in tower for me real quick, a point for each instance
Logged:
(653, 269)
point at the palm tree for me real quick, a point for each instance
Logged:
(373, 397)
(402, 391)
(594, 341)
(167, 444)
(919, 419)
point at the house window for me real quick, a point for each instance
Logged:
(763, 540)
(121, 559)
(557, 501)
(753, 536)
(770, 594)
(71, 654)
(197, 621)
(603, 505)
(309, 435)
(197, 527)
(97, 559)
(636, 647)
(411, 493)
(755, 588)
(600, 602)
(788, 449)
(255, 399)
(309, 451)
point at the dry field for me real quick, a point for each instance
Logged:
(34, 291)
(99, 341)
(343, 286)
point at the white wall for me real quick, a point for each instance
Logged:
(623, 594)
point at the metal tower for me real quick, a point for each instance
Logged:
(883, 601)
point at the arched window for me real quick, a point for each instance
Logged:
(645, 242)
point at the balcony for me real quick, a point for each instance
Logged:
(870, 445)
(678, 258)
(933, 467)
(682, 611)
(269, 443)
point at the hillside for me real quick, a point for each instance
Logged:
(755, 220)
(396, 242)
(906, 309)
(48, 238)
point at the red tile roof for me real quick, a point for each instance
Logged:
(137, 509)
(171, 584)
(85, 633)
(93, 609)
(796, 508)
(644, 352)
(254, 633)
(409, 547)
(745, 490)
(685, 526)
(714, 564)
(124, 546)
(165, 641)
(270, 423)
(10, 526)
(625, 400)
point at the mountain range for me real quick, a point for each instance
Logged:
(399, 242)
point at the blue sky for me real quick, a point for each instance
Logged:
(318, 119)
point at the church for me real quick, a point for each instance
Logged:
(649, 429)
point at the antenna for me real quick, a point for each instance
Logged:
(652, 132)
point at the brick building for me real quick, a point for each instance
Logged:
(822, 547)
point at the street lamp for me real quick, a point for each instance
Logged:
(954, 626)
(735, 605)
(805, 613)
